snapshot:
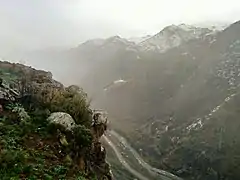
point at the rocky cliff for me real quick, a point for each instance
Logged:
(47, 130)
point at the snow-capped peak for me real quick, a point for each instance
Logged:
(113, 42)
(186, 27)
(139, 39)
(114, 38)
(174, 35)
(118, 40)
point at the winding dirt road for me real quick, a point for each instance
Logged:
(154, 172)
(123, 162)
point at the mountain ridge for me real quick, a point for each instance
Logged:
(167, 95)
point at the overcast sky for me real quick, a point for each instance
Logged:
(29, 24)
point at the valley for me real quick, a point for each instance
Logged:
(174, 95)
(174, 103)
(131, 156)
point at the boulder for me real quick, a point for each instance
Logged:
(63, 119)
(99, 117)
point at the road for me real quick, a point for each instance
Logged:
(123, 162)
(154, 173)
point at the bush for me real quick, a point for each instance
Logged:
(70, 100)
(29, 144)
(82, 136)
(74, 103)
(9, 158)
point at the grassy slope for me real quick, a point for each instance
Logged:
(29, 151)
(30, 146)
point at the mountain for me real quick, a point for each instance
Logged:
(138, 40)
(173, 35)
(179, 106)
(93, 52)
(76, 61)
(99, 50)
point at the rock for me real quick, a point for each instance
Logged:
(99, 117)
(99, 124)
(98, 153)
(98, 131)
(73, 88)
(7, 93)
(97, 160)
(63, 119)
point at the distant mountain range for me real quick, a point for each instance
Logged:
(88, 52)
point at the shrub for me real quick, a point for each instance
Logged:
(82, 136)
(10, 158)
(29, 144)
(71, 100)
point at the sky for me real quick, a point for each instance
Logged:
(38, 24)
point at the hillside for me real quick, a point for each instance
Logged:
(175, 105)
(46, 129)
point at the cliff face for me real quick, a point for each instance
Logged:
(53, 134)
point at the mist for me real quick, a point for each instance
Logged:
(167, 72)
(30, 27)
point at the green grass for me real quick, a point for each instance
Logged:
(29, 149)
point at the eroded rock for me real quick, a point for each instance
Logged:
(97, 154)
(63, 119)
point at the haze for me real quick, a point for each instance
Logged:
(38, 24)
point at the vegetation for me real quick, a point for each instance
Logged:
(32, 148)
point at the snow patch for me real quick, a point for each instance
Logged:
(120, 81)
(195, 125)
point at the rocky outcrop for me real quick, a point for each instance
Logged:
(74, 141)
(6, 93)
(96, 157)
(19, 72)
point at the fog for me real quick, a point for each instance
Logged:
(172, 99)
(28, 25)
